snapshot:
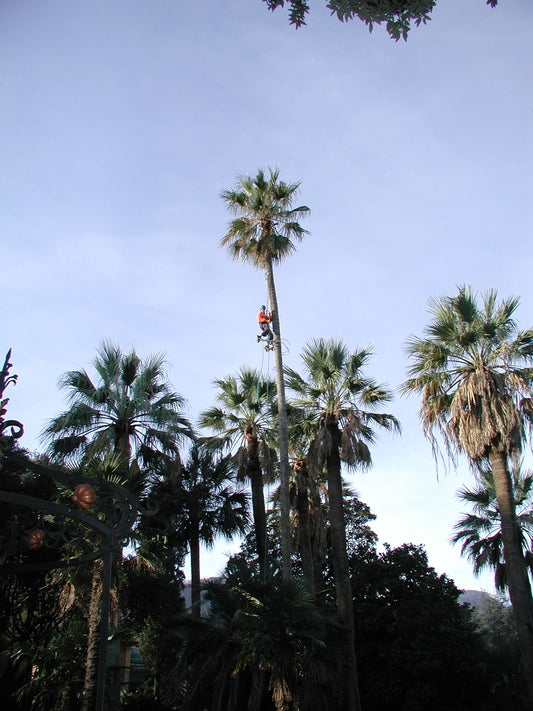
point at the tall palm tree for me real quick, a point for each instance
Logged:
(210, 506)
(480, 532)
(264, 233)
(343, 401)
(473, 370)
(243, 419)
(130, 409)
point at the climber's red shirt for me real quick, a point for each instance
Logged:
(263, 317)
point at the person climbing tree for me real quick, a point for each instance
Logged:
(265, 318)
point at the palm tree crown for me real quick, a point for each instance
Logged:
(245, 408)
(210, 506)
(131, 410)
(210, 500)
(267, 224)
(336, 390)
(474, 373)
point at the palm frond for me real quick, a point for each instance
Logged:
(337, 387)
(265, 226)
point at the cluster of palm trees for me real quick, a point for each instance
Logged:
(131, 417)
(336, 395)
(474, 372)
(132, 413)
(126, 423)
(473, 369)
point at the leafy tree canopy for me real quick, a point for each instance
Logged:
(416, 644)
(397, 15)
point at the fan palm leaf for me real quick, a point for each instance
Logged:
(131, 409)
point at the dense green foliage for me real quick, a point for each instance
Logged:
(42, 633)
(405, 611)
(398, 16)
(417, 646)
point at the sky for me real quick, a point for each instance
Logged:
(122, 120)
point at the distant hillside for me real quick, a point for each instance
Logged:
(474, 598)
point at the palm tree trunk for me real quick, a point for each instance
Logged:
(123, 447)
(91, 660)
(284, 498)
(196, 596)
(517, 576)
(304, 521)
(105, 605)
(343, 586)
(96, 659)
(318, 537)
(255, 474)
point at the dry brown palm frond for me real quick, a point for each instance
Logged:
(483, 415)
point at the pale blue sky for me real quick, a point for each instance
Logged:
(121, 121)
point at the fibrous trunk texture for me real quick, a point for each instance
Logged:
(517, 576)
(284, 497)
(340, 563)
(255, 475)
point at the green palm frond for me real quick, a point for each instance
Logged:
(209, 499)
(130, 369)
(480, 532)
(266, 222)
(245, 407)
(108, 363)
(337, 387)
(131, 407)
(473, 371)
